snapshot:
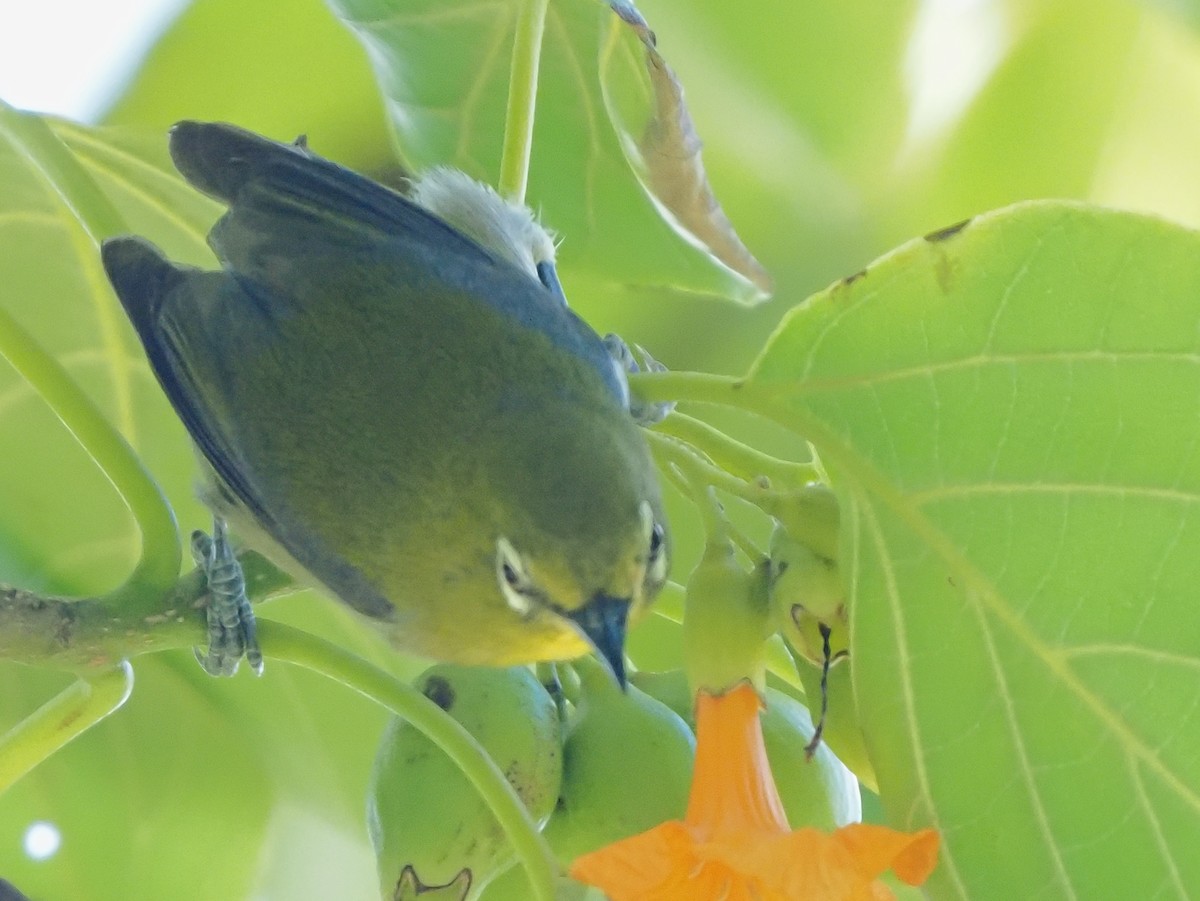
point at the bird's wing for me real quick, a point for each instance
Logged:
(147, 283)
(291, 212)
(283, 197)
(199, 328)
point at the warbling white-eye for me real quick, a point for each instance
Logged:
(392, 401)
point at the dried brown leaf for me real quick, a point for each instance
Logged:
(667, 157)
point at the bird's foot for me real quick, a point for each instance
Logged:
(231, 625)
(633, 362)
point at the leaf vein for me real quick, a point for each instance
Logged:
(895, 607)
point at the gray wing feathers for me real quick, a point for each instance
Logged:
(183, 318)
(295, 217)
(148, 285)
(282, 190)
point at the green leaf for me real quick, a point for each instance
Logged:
(802, 108)
(829, 74)
(444, 69)
(1038, 127)
(160, 795)
(1010, 410)
(281, 70)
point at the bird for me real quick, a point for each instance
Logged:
(391, 399)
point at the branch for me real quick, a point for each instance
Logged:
(81, 634)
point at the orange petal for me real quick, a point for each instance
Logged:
(735, 843)
(732, 786)
(804, 864)
(644, 866)
(911, 856)
(667, 864)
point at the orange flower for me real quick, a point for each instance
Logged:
(735, 844)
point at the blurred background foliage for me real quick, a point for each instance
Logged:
(833, 131)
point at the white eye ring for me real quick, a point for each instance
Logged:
(647, 516)
(513, 580)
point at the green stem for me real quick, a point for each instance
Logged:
(675, 477)
(670, 606)
(522, 100)
(294, 646)
(696, 470)
(158, 568)
(770, 401)
(743, 542)
(69, 714)
(692, 387)
(712, 512)
(733, 455)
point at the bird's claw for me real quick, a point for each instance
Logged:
(633, 362)
(231, 624)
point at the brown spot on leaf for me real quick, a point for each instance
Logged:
(440, 691)
(944, 270)
(943, 234)
(853, 277)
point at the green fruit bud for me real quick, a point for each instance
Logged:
(627, 766)
(670, 687)
(726, 622)
(820, 792)
(807, 593)
(808, 602)
(513, 885)
(430, 827)
(811, 516)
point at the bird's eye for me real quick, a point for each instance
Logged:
(515, 584)
(656, 547)
(656, 543)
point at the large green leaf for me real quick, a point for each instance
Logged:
(280, 68)
(161, 795)
(788, 160)
(1011, 411)
(799, 68)
(444, 69)
(1040, 125)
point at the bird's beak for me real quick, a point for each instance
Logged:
(602, 621)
